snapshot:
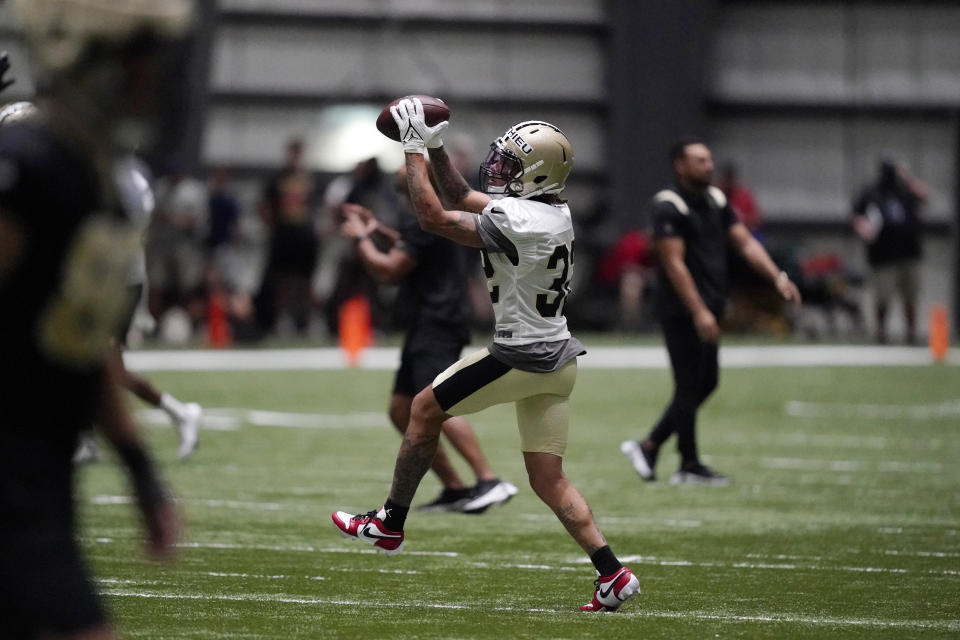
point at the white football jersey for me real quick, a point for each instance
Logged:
(529, 264)
(136, 197)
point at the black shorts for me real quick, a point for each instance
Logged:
(45, 588)
(293, 251)
(427, 352)
(133, 294)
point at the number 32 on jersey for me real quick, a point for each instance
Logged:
(558, 270)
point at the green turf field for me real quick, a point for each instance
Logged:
(843, 519)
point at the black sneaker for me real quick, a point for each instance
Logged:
(448, 500)
(643, 461)
(487, 493)
(699, 474)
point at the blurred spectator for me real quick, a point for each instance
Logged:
(625, 269)
(828, 284)
(289, 211)
(343, 275)
(885, 216)
(224, 211)
(753, 306)
(175, 256)
(224, 236)
(740, 198)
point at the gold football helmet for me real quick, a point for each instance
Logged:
(532, 158)
(108, 61)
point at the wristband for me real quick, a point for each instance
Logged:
(146, 486)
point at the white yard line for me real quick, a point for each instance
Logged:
(308, 548)
(852, 466)
(775, 618)
(603, 357)
(873, 411)
(246, 505)
(574, 562)
(231, 419)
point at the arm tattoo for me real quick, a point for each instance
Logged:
(450, 183)
(415, 185)
(467, 221)
(459, 226)
(413, 462)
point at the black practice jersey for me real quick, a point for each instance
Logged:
(435, 292)
(59, 307)
(702, 220)
(894, 213)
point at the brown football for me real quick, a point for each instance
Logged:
(435, 111)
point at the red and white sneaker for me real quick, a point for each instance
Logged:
(613, 591)
(369, 528)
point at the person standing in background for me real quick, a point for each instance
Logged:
(692, 225)
(289, 206)
(886, 217)
(175, 251)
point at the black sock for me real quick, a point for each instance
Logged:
(605, 562)
(396, 515)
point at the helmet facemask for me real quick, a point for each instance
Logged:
(500, 172)
(532, 158)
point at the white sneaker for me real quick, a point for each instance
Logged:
(638, 458)
(87, 450)
(189, 427)
(369, 527)
(487, 493)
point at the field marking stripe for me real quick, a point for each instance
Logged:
(872, 411)
(602, 357)
(852, 466)
(949, 625)
(646, 560)
(232, 418)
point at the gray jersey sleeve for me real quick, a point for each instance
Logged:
(494, 240)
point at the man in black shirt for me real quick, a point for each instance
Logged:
(66, 246)
(288, 209)
(885, 216)
(692, 225)
(432, 305)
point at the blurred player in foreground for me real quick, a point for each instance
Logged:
(692, 225)
(66, 246)
(133, 189)
(527, 242)
(432, 305)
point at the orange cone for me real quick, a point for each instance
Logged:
(218, 327)
(355, 328)
(939, 333)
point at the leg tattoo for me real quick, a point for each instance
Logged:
(413, 462)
